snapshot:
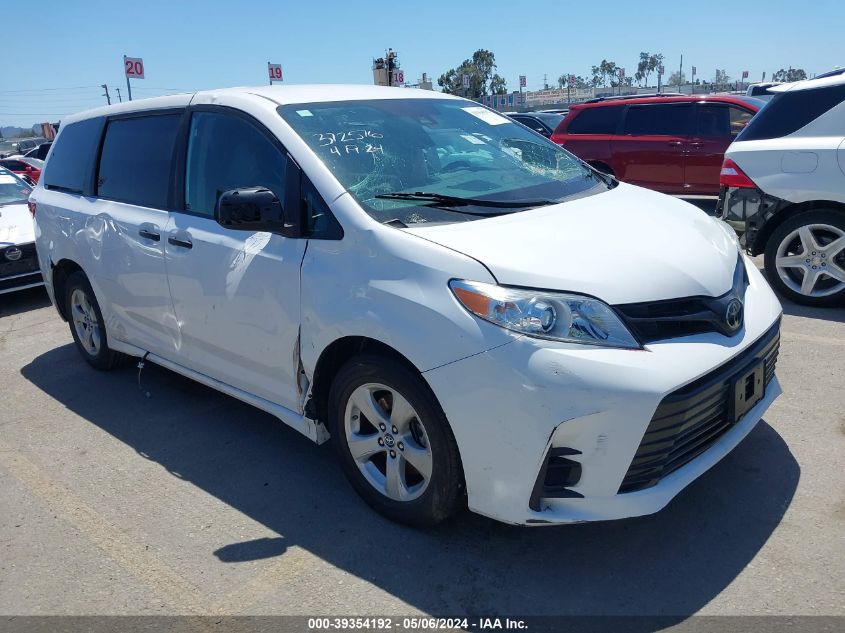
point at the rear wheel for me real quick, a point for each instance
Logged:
(394, 442)
(805, 258)
(86, 323)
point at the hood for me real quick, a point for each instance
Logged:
(16, 225)
(625, 245)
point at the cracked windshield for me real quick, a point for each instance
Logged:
(410, 161)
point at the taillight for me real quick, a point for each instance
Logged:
(732, 176)
(32, 205)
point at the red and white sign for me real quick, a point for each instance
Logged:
(275, 71)
(133, 67)
(398, 77)
(745, 74)
(522, 81)
(571, 81)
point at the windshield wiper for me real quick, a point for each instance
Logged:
(457, 201)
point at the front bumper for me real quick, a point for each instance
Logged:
(510, 405)
(20, 273)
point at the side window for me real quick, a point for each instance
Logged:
(658, 120)
(713, 121)
(135, 164)
(739, 119)
(597, 120)
(72, 159)
(228, 152)
(14, 165)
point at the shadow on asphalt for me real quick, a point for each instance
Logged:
(23, 301)
(671, 563)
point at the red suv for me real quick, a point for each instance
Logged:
(670, 144)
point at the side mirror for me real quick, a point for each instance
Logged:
(250, 209)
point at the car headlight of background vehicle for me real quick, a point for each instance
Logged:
(549, 315)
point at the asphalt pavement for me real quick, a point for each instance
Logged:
(122, 494)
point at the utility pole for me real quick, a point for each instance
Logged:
(118, 95)
(106, 95)
(680, 72)
(128, 85)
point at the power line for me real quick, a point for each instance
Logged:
(46, 89)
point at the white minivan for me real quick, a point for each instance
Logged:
(470, 313)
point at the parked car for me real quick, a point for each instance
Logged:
(23, 166)
(669, 144)
(783, 187)
(418, 278)
(15, 147)
(40, 152)
(541, 122)
(18, 263)
(763, 90)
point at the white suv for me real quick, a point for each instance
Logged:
(783, 186)
(471, 313)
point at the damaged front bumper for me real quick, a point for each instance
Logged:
(549, 432)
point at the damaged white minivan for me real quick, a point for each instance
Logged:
(471, 314)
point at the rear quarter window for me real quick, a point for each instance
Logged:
(73, 156)
(601, 120)
(789, 111)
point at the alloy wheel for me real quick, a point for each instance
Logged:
(811, 260)
(388, 442)
(85, 321)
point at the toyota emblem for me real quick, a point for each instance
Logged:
(733, 315)
(13, 253)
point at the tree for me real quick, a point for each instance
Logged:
(722, 78)
(604, 72)
(483, 79)
(580, 82)
(789, 75)
(648, 64)
(676, 79)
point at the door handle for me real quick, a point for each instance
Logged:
(675, 143)
(149, 235)
(696, 144)
(181, 243)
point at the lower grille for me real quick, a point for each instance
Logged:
(19, 281)
(690, 420)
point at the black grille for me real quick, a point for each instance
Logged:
(688, 421)
(27, 263)
(673, 318)
(10, 283)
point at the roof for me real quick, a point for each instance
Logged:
(283, 95)
(634, 100)
(809, 84)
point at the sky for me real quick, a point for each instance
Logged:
(192, 45)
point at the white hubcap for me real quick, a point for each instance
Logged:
(388, 442)
(811, 260)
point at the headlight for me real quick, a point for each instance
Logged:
(554, 316)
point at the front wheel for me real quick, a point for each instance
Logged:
(394, 442)
(805, 258)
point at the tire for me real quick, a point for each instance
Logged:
(786, 258)
(86, 324)
(372, 386)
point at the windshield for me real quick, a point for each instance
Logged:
(446, 148)
(8, 146)
(12, 189)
